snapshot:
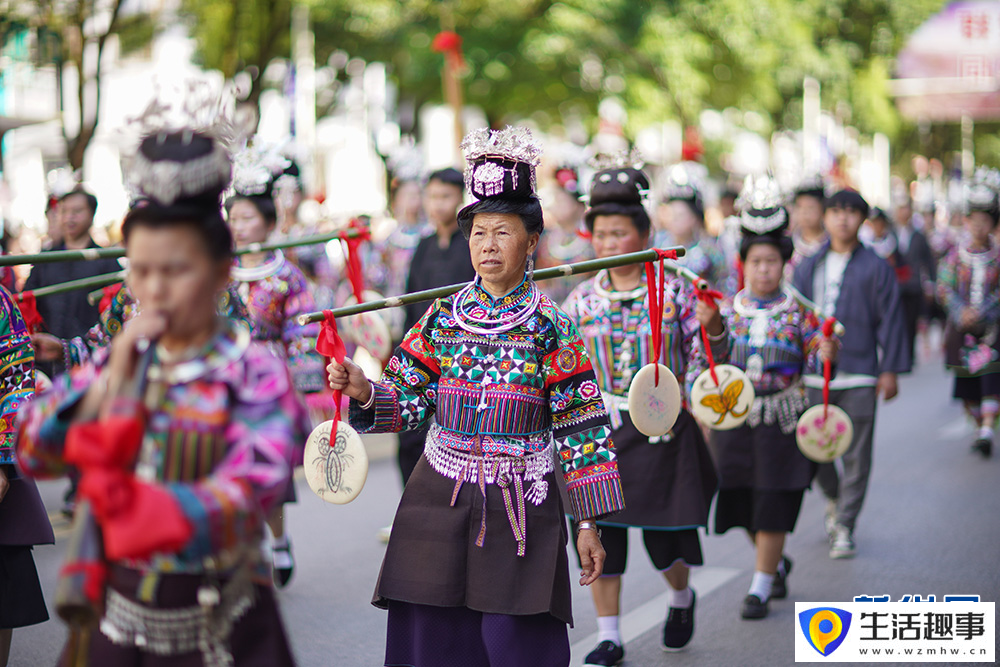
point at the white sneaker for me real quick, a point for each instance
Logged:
(842, 545)
(830, 520)
(383, 533)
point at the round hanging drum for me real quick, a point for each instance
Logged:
(654, 405)
(335, 462)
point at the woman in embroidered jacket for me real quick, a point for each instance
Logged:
(23, 521)
(221, 417)
(968, 287)
(774, 339)
(275, 293)
(476, 571)
(668, 482)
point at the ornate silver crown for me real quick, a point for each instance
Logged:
(619, 160)
(982, 192)
(196, 108)
(255, 167)
(685, 180)
(494, 156)
(761, 203)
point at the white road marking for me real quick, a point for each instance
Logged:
(639, 621)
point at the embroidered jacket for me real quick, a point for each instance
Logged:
(119, 306)
(534, 382)
(275, 294)
(785, 340)
(17, 371)
(972, 280)
(616, 329)
(220, 440)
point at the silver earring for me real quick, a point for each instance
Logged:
(531, 268)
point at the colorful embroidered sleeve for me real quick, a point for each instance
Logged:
(17, 364)
(580, 428)
(43, 421)
(692, 343)
(266, 422)
(948, 288)
(306, 364)
(405, 397)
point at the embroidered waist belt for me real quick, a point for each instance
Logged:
(503, 471)
(784, 407)
(205, 627)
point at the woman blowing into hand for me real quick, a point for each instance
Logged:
(182, 513)
(476, 571)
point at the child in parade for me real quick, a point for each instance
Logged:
(669, 482)
(968, 288)
(853, 284)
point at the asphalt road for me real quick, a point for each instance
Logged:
(931, 525)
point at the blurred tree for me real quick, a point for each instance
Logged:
(74, 34)
(237, 36)
(550, 61)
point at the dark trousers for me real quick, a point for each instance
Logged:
(849, 486)
(913, 308)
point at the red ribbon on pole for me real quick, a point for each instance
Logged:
(450, 44)
(29, 310)
(656, 306)
(355, 273)
(331, 346)
(110, 292)
(828, 325)
(709, 297)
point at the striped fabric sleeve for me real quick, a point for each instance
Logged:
(42, 423)
(18, 382)
(580, 428)
(406, 396)
(266, 422)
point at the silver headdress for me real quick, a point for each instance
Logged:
(499, 161)
(982, 192)
(200, 110)
(685, 180)
(762, 205)
(619, 178)
(255, 169)
(619, 160)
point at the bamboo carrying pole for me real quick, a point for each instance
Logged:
(588, 266)
(90, 254)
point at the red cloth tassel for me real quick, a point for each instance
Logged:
(331, 346)
(137, 518)
(355, 272)
(95, 573)
(29, 310)
(110, 292)
(450, 44)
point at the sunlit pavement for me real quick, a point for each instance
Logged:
(930, 526)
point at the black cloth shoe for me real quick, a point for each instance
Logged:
(679, 626)
(606, 654)
(779, 589)
(983, 446)
(753, 608)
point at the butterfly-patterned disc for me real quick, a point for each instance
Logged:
(724, 406)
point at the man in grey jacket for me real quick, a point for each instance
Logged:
(860, 289)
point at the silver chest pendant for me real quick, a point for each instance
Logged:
(758, 339)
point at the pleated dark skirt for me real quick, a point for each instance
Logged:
(666, 484)
(975, 389)
(21, 599)
(258, 638)
(432, 558)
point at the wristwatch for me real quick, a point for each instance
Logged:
(588, 525)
